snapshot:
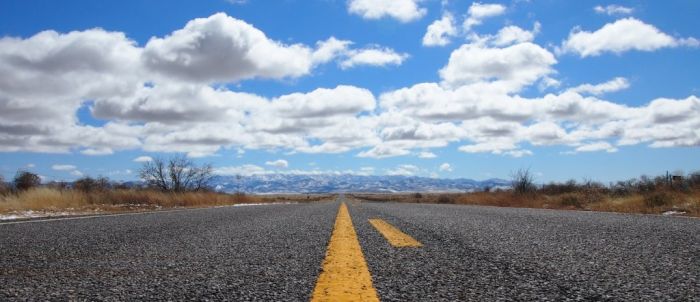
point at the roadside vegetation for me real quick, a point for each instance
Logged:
(172, 183)
(679, 195)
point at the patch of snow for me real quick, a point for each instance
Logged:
(670, 213)
(37, 214)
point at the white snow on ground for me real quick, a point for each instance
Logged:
(39, 214)
(669, 213)
(70, 212)
(262, 204)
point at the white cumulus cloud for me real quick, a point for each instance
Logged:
(403, 170)
(426, 154)
(165, 97)
(64, 167)
(143, 159)
(402, 10)
(374, 56)
(440, 31)
(445, 167)
(597, 146)
(621, 36)
(515, 66)
(613, 85)
(613, 10)
(224, 49)
(478, 12)
(280, 163)
(513, 35)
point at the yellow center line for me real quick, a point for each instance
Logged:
(395, 237)
(345, 276)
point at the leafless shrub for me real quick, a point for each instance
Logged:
(645, 184)
(89, 184)
(560, 188)
(523, 182)
(25, 180)
(178, 174)
(694, 179)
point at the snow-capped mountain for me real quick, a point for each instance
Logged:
(328, 183)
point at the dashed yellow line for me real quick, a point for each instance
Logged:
(395, 237)
(345, 276)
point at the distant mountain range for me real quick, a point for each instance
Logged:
(332, 183)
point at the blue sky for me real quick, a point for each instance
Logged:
(569, 89)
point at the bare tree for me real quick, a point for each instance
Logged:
(202, 179)
(25, 180)
(155, 175)
(179, 174)
(523, 182)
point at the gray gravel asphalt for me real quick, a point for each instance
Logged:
(270, 252)
(275, 252)
(490, 254)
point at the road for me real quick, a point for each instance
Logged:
(277, 252)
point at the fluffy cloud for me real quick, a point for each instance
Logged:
(597, 146)
(403, 170)
(223, 49)
(71, 169)
(330, 49)
(513, 35)
(280, 163)
(47, 76)
(440, 31)
(478, 12)
(621, 36)
(613, 9)
(426, 154)
(373, 57)
(64, 167)
(143, 159)
(158, 98)
(383, 151)
(480, 102)
(514, 66)
(613, 85)
(402, 10)
(500, 146)
(445, 167)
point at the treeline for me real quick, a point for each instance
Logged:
(523, 183)
(177, 174)
(165, 183)
(678, 193)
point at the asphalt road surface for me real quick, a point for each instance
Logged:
(275, 252)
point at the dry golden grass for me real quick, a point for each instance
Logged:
(651, 203)
(51, 199)
(47, 199)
